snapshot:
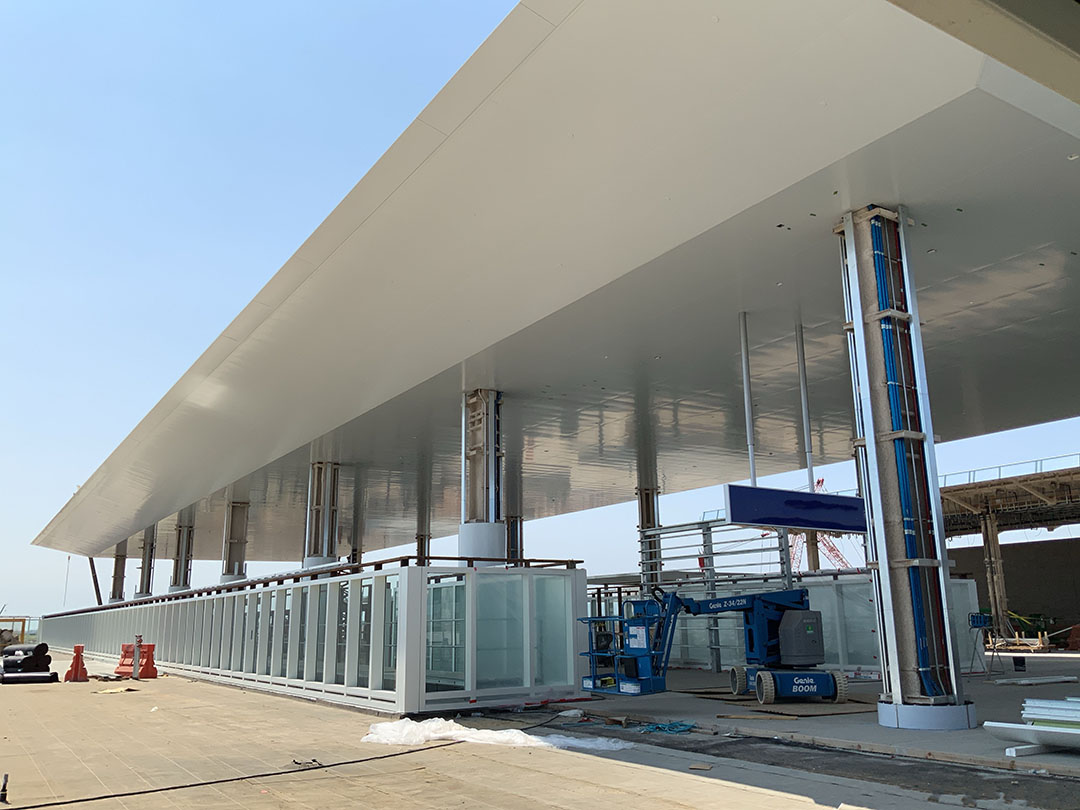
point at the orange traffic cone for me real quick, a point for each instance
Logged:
(77, 671)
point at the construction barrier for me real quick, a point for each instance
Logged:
(127, 661)
(146, 662)
(77, 671)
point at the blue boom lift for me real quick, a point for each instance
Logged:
(629, 654)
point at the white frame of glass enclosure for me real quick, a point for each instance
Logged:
(259, 644)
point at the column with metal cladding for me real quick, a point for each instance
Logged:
(514, 487)
(894, 450)
(650, 551)
(321, 529)
(116, 594)
(423, 507)
(185, 539)
(146, 568)
(482, 532)
(234, 543)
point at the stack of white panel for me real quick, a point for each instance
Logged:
(1049, 725)
(1052, 713)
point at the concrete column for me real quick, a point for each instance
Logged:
(895, 454)
(482, 532)
(995, 576)
(234, 541)
(119, 565)
(146, 570)
(185, 540)
(320, 542)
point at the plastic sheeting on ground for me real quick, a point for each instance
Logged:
(411, 732)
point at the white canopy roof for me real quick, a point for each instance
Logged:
(577, 219)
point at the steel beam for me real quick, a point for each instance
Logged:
(94, 577)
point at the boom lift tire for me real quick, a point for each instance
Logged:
(841, 683)
(738, 680)
(765, 687)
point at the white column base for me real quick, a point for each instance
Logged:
(318, 562)
(949, 717)
(482, 540)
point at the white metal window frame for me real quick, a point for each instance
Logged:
(226, 637)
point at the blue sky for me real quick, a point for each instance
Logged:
(158, 163)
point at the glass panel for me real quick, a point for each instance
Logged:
(285, 618)
(499, 631)
(860, 622)
(254, 628)
(390, 617)
(301, 646)
(241, 605)
(363, 654)
(320, 633)
(270, 599)
(552, 611)
(342, 626)
(446, 633)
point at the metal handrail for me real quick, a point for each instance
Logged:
(980, 474)
(975, 476)
(318, 573)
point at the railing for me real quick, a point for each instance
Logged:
(1039, 465)
(406, 639)
(323, 572)
(1049, 464)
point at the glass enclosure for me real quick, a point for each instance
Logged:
(402, 640)
(849, 624)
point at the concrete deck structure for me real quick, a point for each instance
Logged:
(67, 742)
(859, 731)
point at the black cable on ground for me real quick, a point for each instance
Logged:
(227, 780)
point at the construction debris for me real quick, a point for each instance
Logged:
(1049, 725)
(1040, 681)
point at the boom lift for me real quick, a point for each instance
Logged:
(629, 654)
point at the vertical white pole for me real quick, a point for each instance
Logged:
(748, 402)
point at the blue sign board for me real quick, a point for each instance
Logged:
(789, 509)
